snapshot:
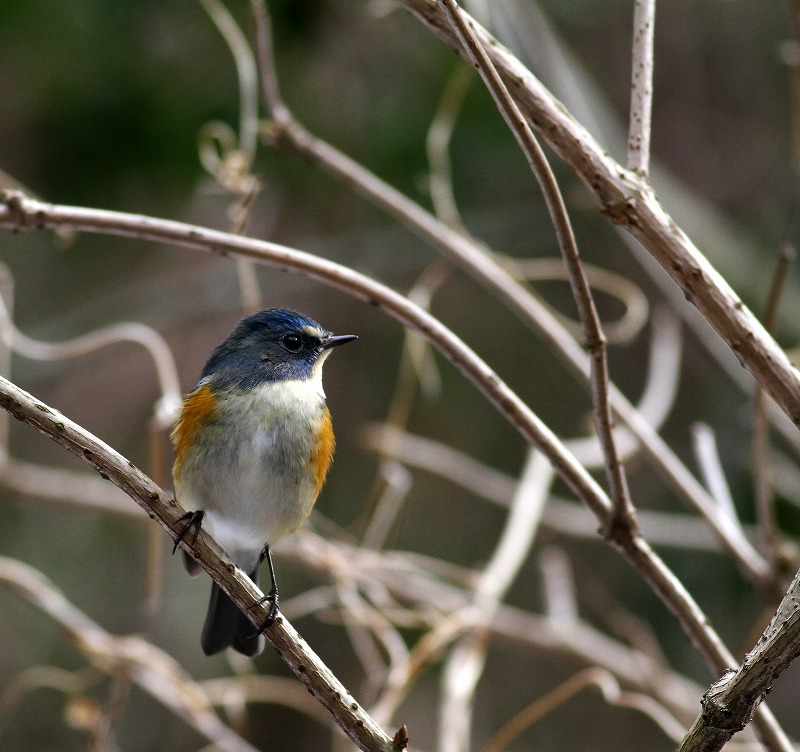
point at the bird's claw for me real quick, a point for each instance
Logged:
(193, 520)
(272, 613)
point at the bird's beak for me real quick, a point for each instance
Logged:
(340, 339)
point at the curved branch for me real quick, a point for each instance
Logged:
(467, 254)
(628, 200)
(319, 680)
(21, 212)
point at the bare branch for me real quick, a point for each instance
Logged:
(705, 448)
(644, 17)
(298, 656)
(270, 89)
(730, 703)
(475, 261)
(624, 513)
(129, 331)
(630, 202)
(20, 212)
(246, 71)
(437, 146)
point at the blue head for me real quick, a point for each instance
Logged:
(271, 345)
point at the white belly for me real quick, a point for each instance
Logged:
(250, 469)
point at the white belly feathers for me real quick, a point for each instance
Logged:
(266, 487)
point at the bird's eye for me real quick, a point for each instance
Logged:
(292, 342)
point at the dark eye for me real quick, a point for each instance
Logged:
(292, 342)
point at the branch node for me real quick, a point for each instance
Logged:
(621, 527)
(15, 201)
(400, 739)
(716, 710)
(622, 212)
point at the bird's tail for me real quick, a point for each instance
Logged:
(226, 626)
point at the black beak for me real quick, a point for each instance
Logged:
(341, 339)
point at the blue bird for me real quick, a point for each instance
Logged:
(253, 444)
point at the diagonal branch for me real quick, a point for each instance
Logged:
(286, 133)
(21, 212)
(629, 201)
(321, 682)
(595, 339)
(729, 704)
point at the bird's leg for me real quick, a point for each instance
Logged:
(272, 595)
(193, 520)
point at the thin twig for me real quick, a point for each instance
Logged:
(768, 535)
(437, 145)
(629, 201)
(463, 251)
(624, 514)
(621, 330)
(644, 16)
(558, 587)
(299, 657)
(270, 88)
(612, 694)
(704, 443)
(21, 212)
(128, 331)
(247, 74)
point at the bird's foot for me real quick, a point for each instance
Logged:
(193, 520)
(272, 613)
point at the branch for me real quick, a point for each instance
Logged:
(629, 201)
(159, 506)
(730, 703)
(21, 212)
(581, 291)
(644, 17)
(287, 134)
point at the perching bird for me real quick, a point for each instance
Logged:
(253, 444)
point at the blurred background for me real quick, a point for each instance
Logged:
(104, 104)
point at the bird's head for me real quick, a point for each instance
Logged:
(272, 345)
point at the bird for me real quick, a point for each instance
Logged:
(253, 444)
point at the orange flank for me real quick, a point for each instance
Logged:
(321, 459)
(198, 408)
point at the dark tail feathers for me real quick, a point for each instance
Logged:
(226, 626)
